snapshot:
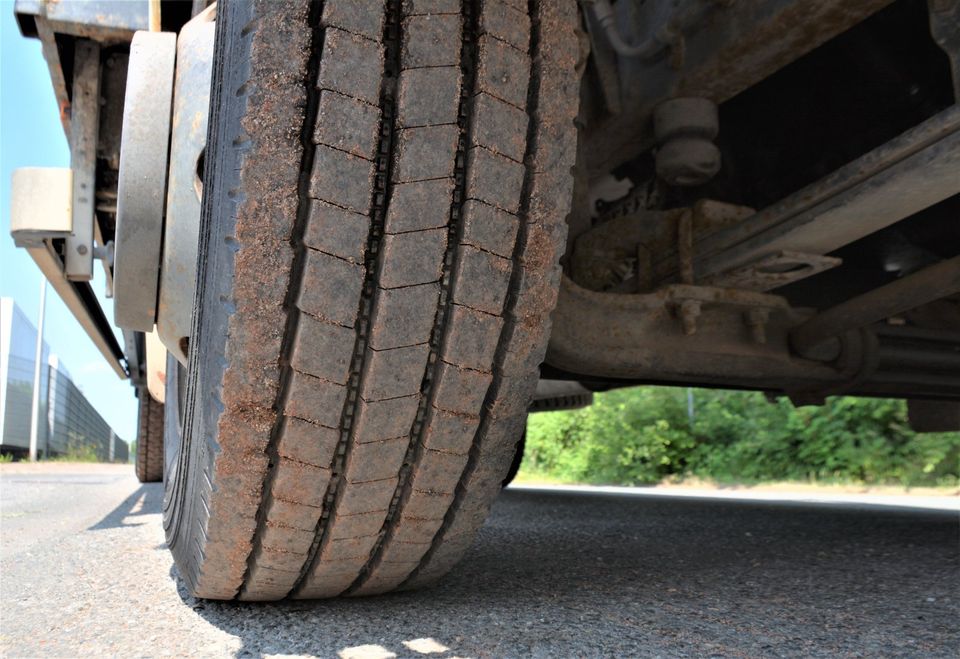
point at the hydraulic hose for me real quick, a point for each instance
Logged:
(603, 12)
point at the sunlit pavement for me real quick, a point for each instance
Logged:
(771, 494)
(557, 571)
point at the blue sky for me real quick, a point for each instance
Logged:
(31, 135)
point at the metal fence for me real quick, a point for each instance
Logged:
(69, 424)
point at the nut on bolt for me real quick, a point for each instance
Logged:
(685, 128)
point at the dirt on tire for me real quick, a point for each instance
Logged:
(149, 464)
(381, 243)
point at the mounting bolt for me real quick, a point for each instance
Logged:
(104, 253)
(689, 312)
(684, 128)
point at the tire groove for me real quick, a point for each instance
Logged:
(468, 67)
(379, 203)
(460, 492)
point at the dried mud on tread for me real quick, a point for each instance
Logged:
(360, 446)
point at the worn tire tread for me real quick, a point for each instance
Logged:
(421, 259)
(149, 465)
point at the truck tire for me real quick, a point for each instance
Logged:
(385, 193)
(149, 465)
(517, 460)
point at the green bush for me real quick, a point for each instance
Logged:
(78, 450)
(643, 435)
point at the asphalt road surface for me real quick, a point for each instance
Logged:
(84, 572)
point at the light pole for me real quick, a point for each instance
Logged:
(38, 358)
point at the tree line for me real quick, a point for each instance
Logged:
(644, 435)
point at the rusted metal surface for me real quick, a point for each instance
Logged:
(642, 337)
(773, 271)
(105, 21)
(626, 252)
(730, 49)
(51, 55)
(739, 343)
(927, 285)
(113, 81)
(905, 175)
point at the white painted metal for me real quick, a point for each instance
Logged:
(40, 204)
(181, 231)
(142, 183)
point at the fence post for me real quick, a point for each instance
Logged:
(38, 357)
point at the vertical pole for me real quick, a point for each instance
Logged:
(38, 358)
(153, 15)
(48, 425)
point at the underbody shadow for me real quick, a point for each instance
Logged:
(552, 560)
(145, 500)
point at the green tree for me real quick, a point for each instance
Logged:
(642, 435)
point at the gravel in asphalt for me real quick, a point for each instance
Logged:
(84, 572)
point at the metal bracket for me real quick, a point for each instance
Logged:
(41, 205)
(773, 271)
(84, 128)
(637, 337)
